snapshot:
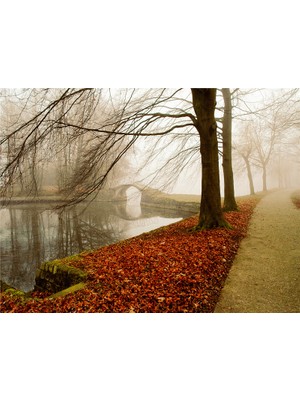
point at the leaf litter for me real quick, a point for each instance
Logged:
(172, 269)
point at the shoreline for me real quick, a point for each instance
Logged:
(169, 269)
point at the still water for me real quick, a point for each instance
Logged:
(33, 233)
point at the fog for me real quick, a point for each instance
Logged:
(265, 122)
(273, 117)
(265, 134)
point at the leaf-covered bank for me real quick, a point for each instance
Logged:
(171, 269)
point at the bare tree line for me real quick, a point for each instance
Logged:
(90, 136)
(267, 134)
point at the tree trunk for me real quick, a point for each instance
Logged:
(249, 173)
(229, 198)
(211, 215)
(264, 178)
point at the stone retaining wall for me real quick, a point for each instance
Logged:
(53, 276)
(4, 286)
(171, 204)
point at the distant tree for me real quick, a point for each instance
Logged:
(263, 128)
(28, 179)
(43, 141)
(245, 149)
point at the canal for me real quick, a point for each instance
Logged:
(32, 233)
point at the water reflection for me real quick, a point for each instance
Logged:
(31, 234)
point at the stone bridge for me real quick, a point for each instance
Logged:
(133, 192)
(133, 201)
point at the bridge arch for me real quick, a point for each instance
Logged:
(129, 198)
(128, 192)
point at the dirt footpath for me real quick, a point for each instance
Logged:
(265, 275)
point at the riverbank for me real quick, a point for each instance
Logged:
(28, 200)
(171, 269)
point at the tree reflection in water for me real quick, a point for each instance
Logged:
(31, 233)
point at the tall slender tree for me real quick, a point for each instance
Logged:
(229, 197)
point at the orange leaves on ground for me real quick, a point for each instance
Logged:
(172, 269)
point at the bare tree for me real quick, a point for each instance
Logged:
(245, 149)
(126, 117)
(41, 134)
(264, 128)
(229, 197)
(204, 102)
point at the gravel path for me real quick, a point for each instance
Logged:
(265, 275)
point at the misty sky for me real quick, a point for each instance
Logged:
(283, 167)
(189, 181)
